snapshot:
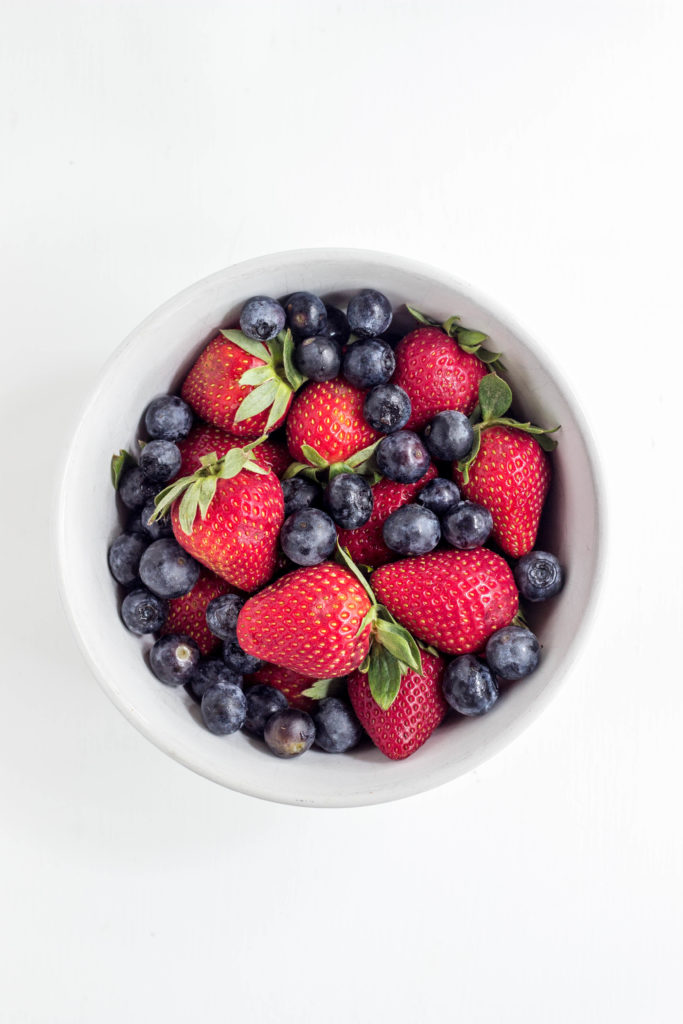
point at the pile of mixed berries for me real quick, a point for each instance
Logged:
(329, 529)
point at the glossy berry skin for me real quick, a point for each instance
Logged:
(337, 325)
(510, 476)
(300, 493)
(134, 488)
(538, 576)
(208, 672)
(204, 439)
(221, 615)
(449, 436)
(348, 499)
(387, 408)
(329, 417)
(160, 460)
(469, 687)
(308, 537)
(187, 614)
(143, 612)
(411, 530)
(174, 658)
(154, 530)
(440, 496)
(369, 313)
(436, 374)
(168, 418)
(307, 621)
(318, 358)
(453, 600)
(237, 659)
(402, 457)
(124, 557)
(306, 314)
(513, 652)
(167, 569)
(262, 318)
(224, 708)
(337, 728)
(289, 733)
(368, 362)
(290, 684)
(418, 709)
(262, 702)
(468, 526)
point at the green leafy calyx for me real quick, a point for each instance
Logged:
(118, 464)
(273, 382)
(468, 340)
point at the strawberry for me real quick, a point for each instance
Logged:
(243, 386)
(326, 420)
(187, 614)
(205, 438)
(290, 683)
(366, 544)
(454, 600)
(412, 717)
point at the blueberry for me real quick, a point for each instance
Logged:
(222, 613)
(224, 708)
(336, 727)
(348, 498)
(440, 496)
(238, 660)
(308, 537)
(469, 687)
(208, 672)
(262, 702)
(262, 318)
(411, 530)
(468, 526)
(168, 418)
(124, 557)
(134, 523)
(369, 313)
(135, 489)
(512, 652)
(160, 460)
(449, 435)
(299, 493)
(402, 457)
(306, 314)
(337, 325)
(387, 408)
(167, 569)
(289, 732)
(159, 528)
(538, 575)
(318, 358)
(174, 658)
(368, 362)
(143, 612)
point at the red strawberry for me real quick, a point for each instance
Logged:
(187, 614)
(328, 417)
(452, 599)
(412, 717)
(204, 438)
(290, 683)
(366, 544)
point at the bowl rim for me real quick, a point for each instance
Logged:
(411, 785)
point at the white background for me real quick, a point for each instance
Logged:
(531, 148)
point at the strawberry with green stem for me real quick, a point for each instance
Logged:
(326, 419)
(205, 438)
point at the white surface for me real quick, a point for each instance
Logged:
(532, 149)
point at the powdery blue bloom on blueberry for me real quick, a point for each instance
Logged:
(168, 418)
(411, 530)
(262, 318)
(469, 686)
(308, 537)
(167, 570)
(369, 313)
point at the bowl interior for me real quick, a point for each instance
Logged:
(152, 361)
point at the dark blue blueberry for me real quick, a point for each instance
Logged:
(262, 702)
(134, 523)
(440, 496)
(513, 652)
(369, 313)
(349, 500)
(159, 528)
(468, 526)
(538, 575)
(299, 492)
(174, 658)
(411, 530)
(402, 457)
(308, 537)
(306, 314)
(224, 708)
(449, 435)
(238, 660)
(289, 732)
(337, 325)
(318, 358)
(143, 612)
(208, 672)
(387, 408)
(469, 687)
(124, 557)
(160, 460)
(368, 362)
(135, 489)
(167, 569)
(262, 318)
(336, 727)
(222, 613)
(168, 418)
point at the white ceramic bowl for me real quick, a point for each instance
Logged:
(154, 360)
